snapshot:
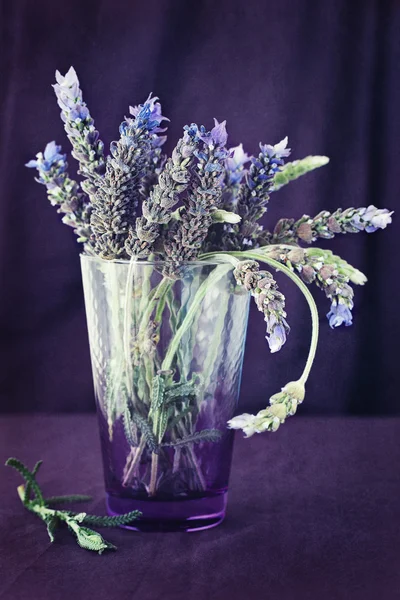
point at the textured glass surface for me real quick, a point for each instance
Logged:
(166, 358)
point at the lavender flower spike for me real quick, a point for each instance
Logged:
(326, 225)
(174, 179)
(281, 405)
(268, 299)
(79, 125)
(117, 198)
(186, 237)
(253, 195)
(63, 191)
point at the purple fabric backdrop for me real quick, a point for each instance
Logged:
(324, 73)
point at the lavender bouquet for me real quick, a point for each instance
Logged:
(171, 253)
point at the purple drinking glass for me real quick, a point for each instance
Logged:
(166, 357)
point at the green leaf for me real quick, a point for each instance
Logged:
(91, 540)
(157, 393)
(147, 431)
(206, 435)
(112, 521)
(130, 434)
(28, 489)
(180, 390)
(28, 476)
(294, 170)
(73, 498)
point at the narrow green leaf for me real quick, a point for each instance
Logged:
(29, 478)
(157, 393)
(73, 498)
(146, 430)
(112, 521)
(28, 489)
(130, 435)
(206, 435)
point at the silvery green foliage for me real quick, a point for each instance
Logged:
(116, 201)
(157, 207)
(326, 225)
(186, 236)
(62, 191)
(76, 522)
(268, 299)
(79, 125)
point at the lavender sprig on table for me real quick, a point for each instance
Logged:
(33, 499)
(87, 148)
(62, 191)
(117, 198)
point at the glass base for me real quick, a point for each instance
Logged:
(174, 515)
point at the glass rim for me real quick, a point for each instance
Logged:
(143, 261)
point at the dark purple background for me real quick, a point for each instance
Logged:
(324, 73)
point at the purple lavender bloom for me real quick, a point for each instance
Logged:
(277, 151)
(339, 314)
(216, 137)
(370, 219)
(234, 164)
(45, 161)
(148, 115)
(67, 90)
(277, 338)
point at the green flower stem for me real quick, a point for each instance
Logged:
(215, 276)
(193, 459)
(127, 327)
(153, 474)
(135, 461)
(254, 255)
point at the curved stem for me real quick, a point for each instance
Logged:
(201, 292)
(254, 255)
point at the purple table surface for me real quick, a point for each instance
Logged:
(314, 513)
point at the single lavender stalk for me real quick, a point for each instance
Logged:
(326, 225)
(330, 273)
(173, 180)
(117, 197)
(282, 405)
(62, 191)
(253, 196)
(268, 299)
(186, 236)
(79, 126)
